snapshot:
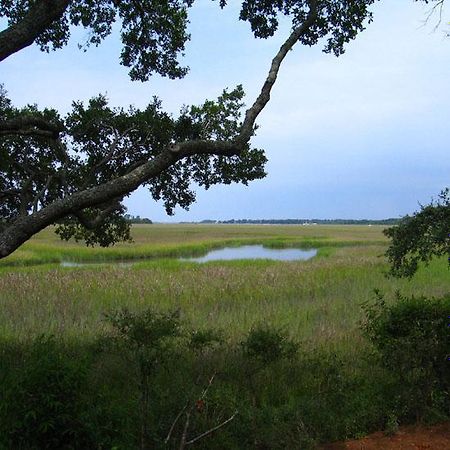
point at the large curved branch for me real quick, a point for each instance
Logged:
(92, 223)
(264, 96)
(26, 226)
(30, 125)
(36, 21)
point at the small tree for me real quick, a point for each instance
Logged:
(150, 337)
(75, 171)
(420, 237)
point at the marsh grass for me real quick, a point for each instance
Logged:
(317, 300)
(168, 241)
(333, 389)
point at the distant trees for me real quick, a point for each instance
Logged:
(420, 237)
(311, 221)
(137, 219)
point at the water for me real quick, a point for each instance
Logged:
(98, 263)
(254, 252)
(223, 254)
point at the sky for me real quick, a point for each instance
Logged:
(365, 135)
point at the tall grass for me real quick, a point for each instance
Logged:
(163, 241)
(331, 390)
(317, 300)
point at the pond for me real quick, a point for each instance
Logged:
(119, 263)
(223, 254)
(254, 252)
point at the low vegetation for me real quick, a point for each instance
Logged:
(235, 355)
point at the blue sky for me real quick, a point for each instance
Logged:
(365, 135)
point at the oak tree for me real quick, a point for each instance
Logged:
(419, 238)
(74, 171)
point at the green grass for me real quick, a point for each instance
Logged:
(162, 241)
(318, 300)
(332, 390)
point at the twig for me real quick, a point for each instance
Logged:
(110, 155)
(169, 434)
(185, 430)
(206, 433)
(41, 193)
(438, 6)
(205, 391)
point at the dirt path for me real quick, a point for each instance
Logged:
(436, 437)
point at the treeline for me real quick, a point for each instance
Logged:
(137, 219)
(390, 221)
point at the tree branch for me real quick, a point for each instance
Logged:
(26, 195)
(91, 224)
(26, 226)
(39, 17)
(30, 125)
(206, 433)
(113, 147)
(264, 96)
(41, 193)
(10, 193)
(169, 434)
(189, 148)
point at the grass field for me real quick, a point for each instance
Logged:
(318, 299)
(332, 389)
(153, 241)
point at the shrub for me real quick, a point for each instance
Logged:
(42, 408)
(266, 344)
(201, 340)
(150, 335)
(412, 337)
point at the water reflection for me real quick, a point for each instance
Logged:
(254, 252)
(223, 254)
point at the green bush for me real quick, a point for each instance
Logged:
(41, 408)
(412, 337)
(266, 344)
(144, 379)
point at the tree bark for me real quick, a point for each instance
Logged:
(37, 20)
(264, 96)
(26, 226)
(30, 125)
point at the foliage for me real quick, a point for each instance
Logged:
(101, 143)
(338, 21)
(420, 237)
(268, 344)
(42, 408)
(201, 340)
(147, 332)
(152, 34)
(320, 395)
(150, 336)
(47, 159)
(412, 337)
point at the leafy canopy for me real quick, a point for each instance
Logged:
(75, 170)
(421, 237)
(100, 143)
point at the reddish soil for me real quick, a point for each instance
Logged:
(415, 437)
